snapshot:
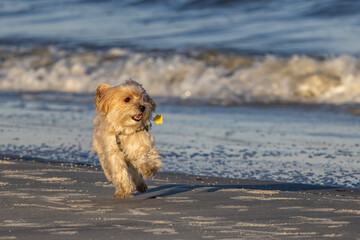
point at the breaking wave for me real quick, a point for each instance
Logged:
(209, 77)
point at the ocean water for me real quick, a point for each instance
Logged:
(249, 89)
(286, 51)
(314, 145)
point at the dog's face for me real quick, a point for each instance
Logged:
(124, 106)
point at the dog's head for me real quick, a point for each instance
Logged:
(124, 106)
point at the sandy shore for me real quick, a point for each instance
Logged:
(62, 201)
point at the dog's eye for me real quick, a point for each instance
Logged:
(127, 99)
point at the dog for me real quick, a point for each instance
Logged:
(121, 136)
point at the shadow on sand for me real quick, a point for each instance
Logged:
(173, 189)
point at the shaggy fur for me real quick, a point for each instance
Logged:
(121, 138)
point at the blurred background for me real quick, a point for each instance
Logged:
(243, 51)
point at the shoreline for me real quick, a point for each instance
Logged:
(52, 200)
(275, 185)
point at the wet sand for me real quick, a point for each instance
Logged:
(63, 201)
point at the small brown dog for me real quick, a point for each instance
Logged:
(121, 136)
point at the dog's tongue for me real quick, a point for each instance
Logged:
(137, 117)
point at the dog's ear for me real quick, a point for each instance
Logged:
(100, 89)
(153, 104)
(100, 102)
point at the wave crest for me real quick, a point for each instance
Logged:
(210, 77)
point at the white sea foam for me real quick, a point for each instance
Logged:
(209, 77)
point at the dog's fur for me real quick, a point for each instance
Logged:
(121, 138)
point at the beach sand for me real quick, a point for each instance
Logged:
(41, 200)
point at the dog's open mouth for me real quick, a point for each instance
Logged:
(137, 117)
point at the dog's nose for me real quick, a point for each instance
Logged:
(142, 108)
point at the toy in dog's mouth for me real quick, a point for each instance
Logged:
(137, 117)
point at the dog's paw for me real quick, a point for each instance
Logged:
(145, 171)
(122, 195)
(149, 171)
(141, 187)
(154, 169)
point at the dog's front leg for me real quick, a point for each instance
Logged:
(138, 180)
(149, 163)
(105, 166)
(153, 160)
(120, 176)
